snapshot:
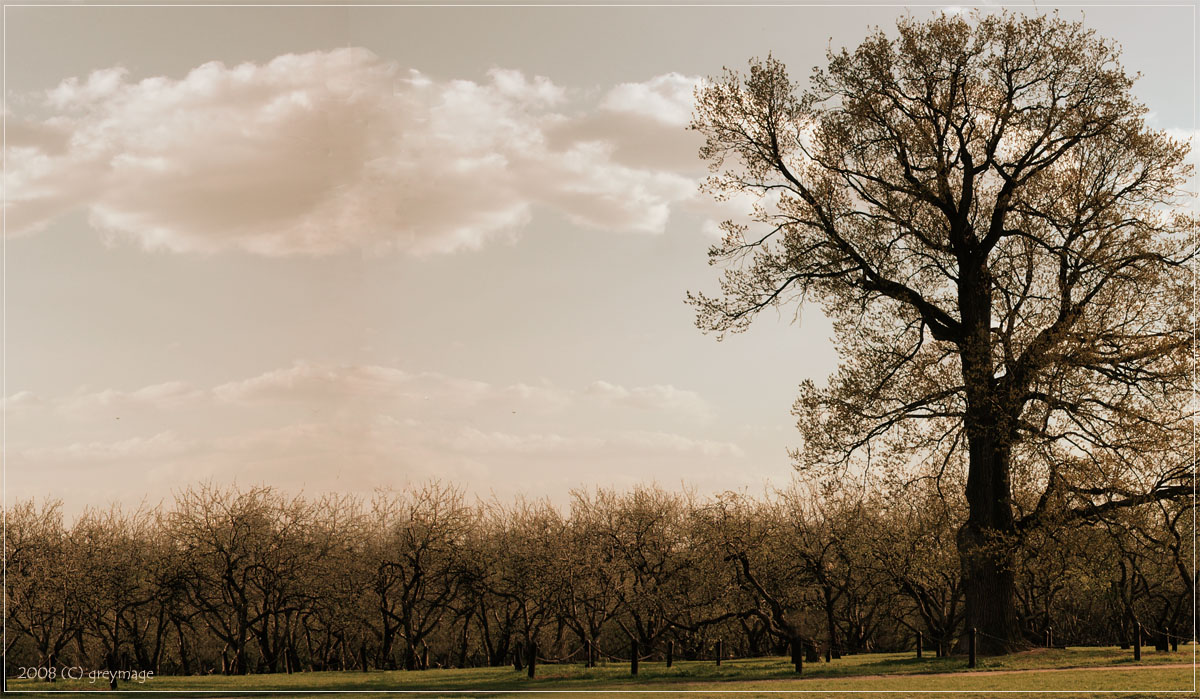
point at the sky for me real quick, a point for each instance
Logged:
(348, 248)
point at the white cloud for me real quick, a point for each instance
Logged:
(658, 397)
(666, 98)
(470, 439)
(155, 396)
(156, 446)
(372, 389)
(21, 399)
(668, 441)
(359, 426)
(316, 382)
(324, 152)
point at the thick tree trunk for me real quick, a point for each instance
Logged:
(986, 540)
(985, 545)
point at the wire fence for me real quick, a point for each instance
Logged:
(804, 650)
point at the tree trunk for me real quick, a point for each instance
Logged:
(985, 541)
(985, 545)
(463, 646)
(810, 651)
(410, 656)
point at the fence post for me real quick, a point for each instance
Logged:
(1173, 639)
(720, 651)
(531, 658)
(1137, 640)
(670, 652)
(829, 653)
(362, 656)
(798, 654)
(633, 657)
(919, 644)
(971, 650)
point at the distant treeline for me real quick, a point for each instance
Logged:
(252, 580)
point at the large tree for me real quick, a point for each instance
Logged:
(981, 208)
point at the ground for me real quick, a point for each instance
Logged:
(1079, 672)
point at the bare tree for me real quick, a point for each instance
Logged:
(113, 550)
(914, 550)
(419, 533)
(222, 535)
(981, 208)
(44, 595)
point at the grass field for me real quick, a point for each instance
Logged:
(1100, 672)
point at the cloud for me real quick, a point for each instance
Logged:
(155, 397)
(669, 441)
(665, 98)
(156, 446)
(371, 389)
(325, 152)
(20, 400)
(316, 382)
(658, 397)
(470, 439)
(374, 387)
(354, 427)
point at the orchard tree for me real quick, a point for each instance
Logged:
(980, 207)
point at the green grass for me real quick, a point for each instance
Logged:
(1099, 669)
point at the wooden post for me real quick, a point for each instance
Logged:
(633, 657)
(798, 654)
(670, 652)
(919, 644)
(1174, 640)
(971, 650)
(720, 651)
(531, 659)
(829, 654)
(362, 656)
(1137, 640)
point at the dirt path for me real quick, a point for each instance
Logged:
(972, 673)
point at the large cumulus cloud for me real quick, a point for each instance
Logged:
(330, 151)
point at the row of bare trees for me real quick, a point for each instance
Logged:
(230, 580)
